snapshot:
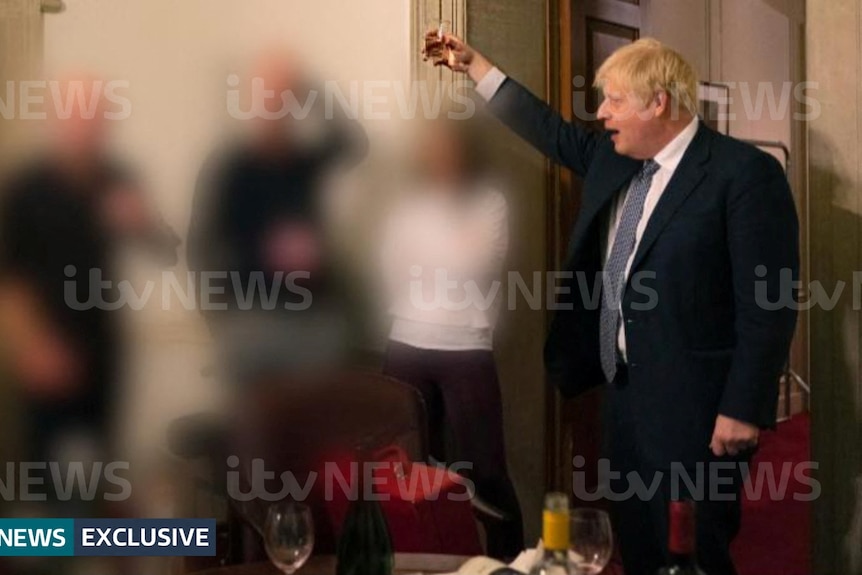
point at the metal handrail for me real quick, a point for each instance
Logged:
(799, 381)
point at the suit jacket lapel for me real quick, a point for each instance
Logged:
(687, 176)
(621, 171)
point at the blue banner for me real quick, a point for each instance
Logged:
(107, 537)
(145, 537)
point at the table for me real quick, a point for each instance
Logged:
(325, 565)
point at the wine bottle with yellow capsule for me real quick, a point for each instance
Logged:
(555, 537)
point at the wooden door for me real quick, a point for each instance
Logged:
(584, 33)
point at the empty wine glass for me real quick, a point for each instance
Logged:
(591, 540)
(442, 27)
(288, 535)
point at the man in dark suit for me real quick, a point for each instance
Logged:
(690, 231)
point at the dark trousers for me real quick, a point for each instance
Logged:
(641, 520)
(463, 403)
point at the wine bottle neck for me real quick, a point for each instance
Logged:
(684, 560)
(681, 538)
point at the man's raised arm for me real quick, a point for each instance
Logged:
(528, 116)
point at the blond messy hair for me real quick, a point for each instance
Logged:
(647, 66)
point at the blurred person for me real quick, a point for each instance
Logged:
(62, 216)
(258, 219)
(453, 222)
(690, 358)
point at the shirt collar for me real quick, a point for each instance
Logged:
(671, 155)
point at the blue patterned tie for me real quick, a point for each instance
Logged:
(615, 267)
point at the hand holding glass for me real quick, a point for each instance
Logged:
(433, 41)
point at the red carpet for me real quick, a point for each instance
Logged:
(775, 535)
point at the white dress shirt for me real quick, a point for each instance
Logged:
(668, 159)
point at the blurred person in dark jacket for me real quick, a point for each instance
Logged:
(258, 226)
(61, 217)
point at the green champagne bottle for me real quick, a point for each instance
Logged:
(364, 547)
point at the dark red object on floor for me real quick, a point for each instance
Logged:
(427, 509)
(775, 538)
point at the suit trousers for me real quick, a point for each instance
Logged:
(641, 493)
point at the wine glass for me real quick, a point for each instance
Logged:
(591, 540)
(288, 535)
(433, 43)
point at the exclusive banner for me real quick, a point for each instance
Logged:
(107, 537)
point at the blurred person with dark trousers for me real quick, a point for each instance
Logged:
(259, 223)
(61, 217)
(452, 226)
(689, 232)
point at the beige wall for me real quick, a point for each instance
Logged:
(21, 26)
(685, 26)
(738, 42)
(834, 36)
(176, 55)
(20, 44)
(755, 51)
(512, 33)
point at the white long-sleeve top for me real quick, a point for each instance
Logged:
(442, 257)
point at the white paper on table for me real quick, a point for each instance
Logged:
(525, 561)
(522, 563)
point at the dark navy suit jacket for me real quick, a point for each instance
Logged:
(701, 339)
